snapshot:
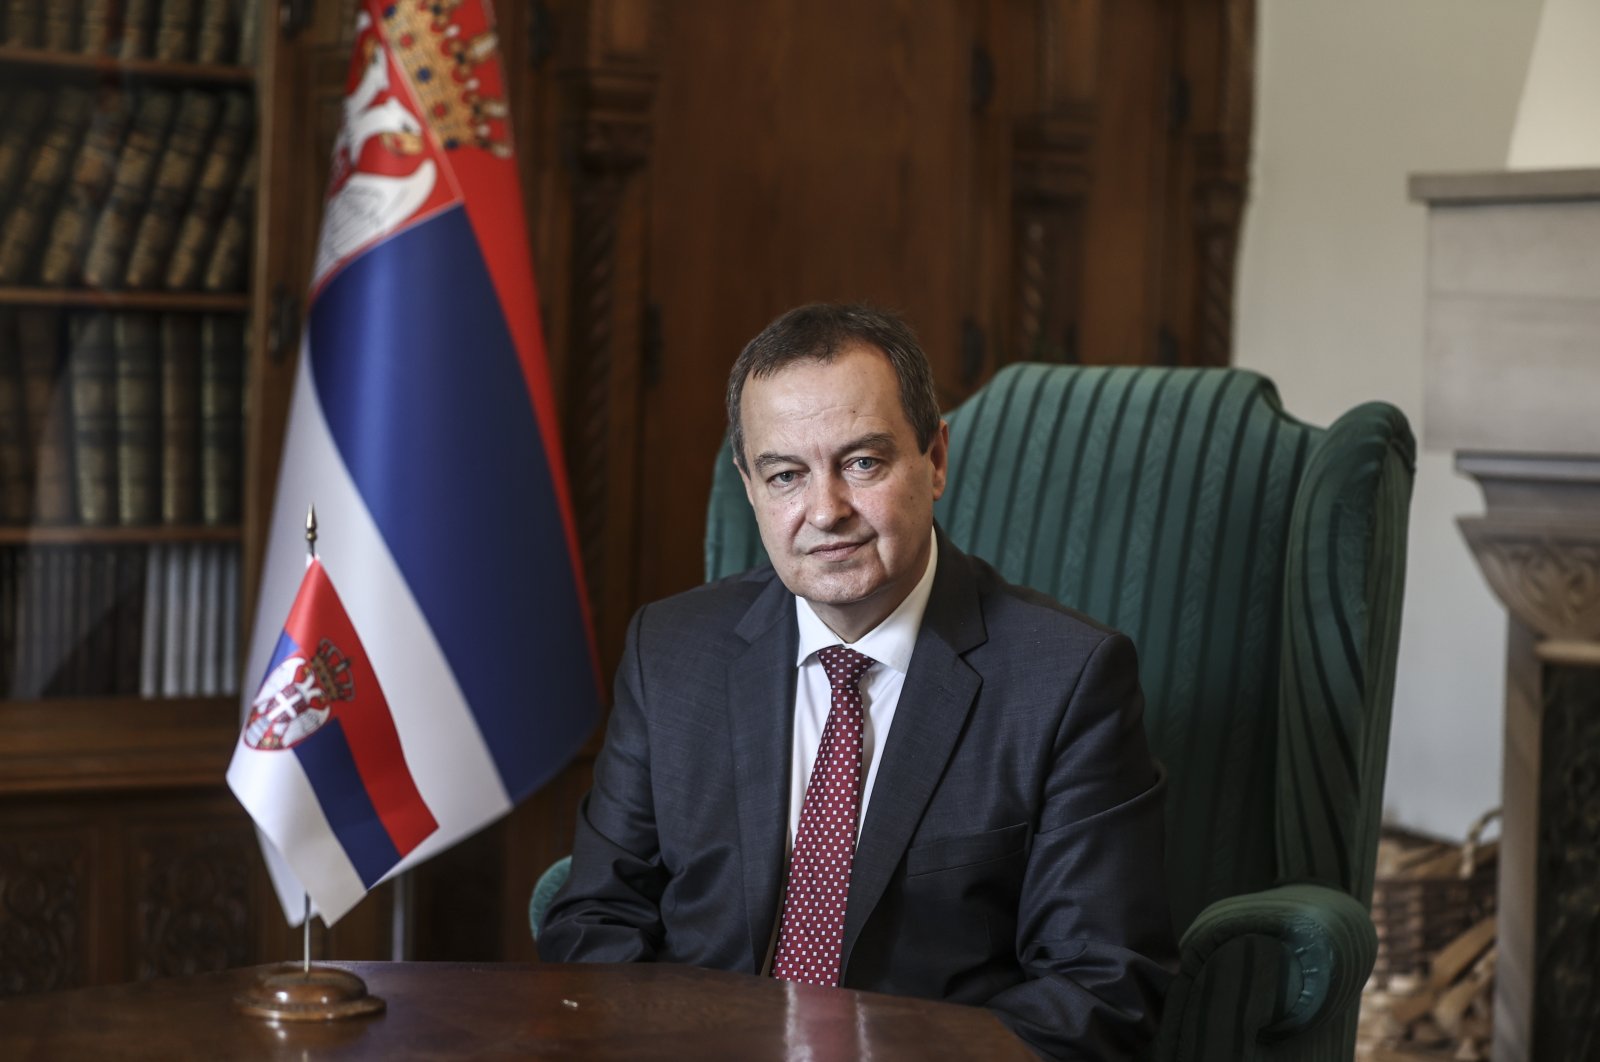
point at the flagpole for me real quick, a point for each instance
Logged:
(311, 555)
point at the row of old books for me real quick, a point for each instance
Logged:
(118, 189)
(101, 620)
(205, 31)
(121, 418)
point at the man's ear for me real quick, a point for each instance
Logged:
(939, 454)
(749, 487)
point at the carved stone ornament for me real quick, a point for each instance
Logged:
(1546, 574)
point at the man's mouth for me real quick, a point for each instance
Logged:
(834, 550)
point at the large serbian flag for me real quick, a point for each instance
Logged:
(422, 427)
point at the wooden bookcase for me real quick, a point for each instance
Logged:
(122, 853)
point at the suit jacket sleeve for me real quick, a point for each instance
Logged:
(1094, 928)
(609, 909)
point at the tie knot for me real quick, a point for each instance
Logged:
(844, 666)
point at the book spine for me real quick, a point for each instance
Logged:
(127, 611)
(221, 416)
(96, 38)
(92, 368)
(210, 649)
(24, 111)
(230, 622)
(47, 172)
(175, 30)
(139, 426)
(75, 676)
(15, 490)
(25, 667)
(60, 25)
(180, 421)
(47, 402)
(229, 255)
(193, 615)
(217, 36)
(92, 173)
(114, 228)
(175, 175)
(8, 621)
(102, 678)
(209, 204)
(151, 621)
(55, 620)
(138, 29)
(249, 32)
(173, 610)
(22, 23)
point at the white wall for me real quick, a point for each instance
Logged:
(1351, 97)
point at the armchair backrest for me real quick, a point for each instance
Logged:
(1255, 561)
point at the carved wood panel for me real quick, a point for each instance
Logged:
(44, 909)
(191, 884)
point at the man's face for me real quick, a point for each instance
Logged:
(843, 496)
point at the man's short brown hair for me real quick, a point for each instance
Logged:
(820, 331)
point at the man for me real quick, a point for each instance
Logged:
(875, 763)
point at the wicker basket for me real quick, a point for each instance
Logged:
(1429, 894)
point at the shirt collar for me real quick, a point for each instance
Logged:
(891, 642)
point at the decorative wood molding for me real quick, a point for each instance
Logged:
(1546, 574)
(43, 912)
(1222, 162)
(1219, 76)
(1050, 173)
(88, 745)
(606, 134)
(193, 889)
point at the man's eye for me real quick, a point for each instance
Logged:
(782, 479)
(865, 464)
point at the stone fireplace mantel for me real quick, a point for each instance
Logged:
(1512, 386)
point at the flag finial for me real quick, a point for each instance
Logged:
(311, 530)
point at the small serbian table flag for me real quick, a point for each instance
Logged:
(319, 765)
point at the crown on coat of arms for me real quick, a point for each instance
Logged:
(442, 63)
(332, 672)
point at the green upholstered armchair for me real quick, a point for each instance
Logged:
(1257, 563)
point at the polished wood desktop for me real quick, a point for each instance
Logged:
(472, 1011)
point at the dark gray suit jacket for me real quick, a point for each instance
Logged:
(1011, 853)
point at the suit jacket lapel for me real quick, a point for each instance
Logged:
(761, 721)
(938, 694)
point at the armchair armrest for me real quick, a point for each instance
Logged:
(1283, 964)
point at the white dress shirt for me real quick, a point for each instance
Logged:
(890, 643)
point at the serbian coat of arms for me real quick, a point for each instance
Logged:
(297, 697)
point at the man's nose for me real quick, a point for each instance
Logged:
(829, 501)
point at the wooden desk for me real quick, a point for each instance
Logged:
(462, 1010)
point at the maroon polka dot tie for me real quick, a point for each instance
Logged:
(811, 935)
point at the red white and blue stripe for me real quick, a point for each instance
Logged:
(422, 427)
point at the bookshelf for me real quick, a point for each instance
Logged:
(134, 295)
(128, 192)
